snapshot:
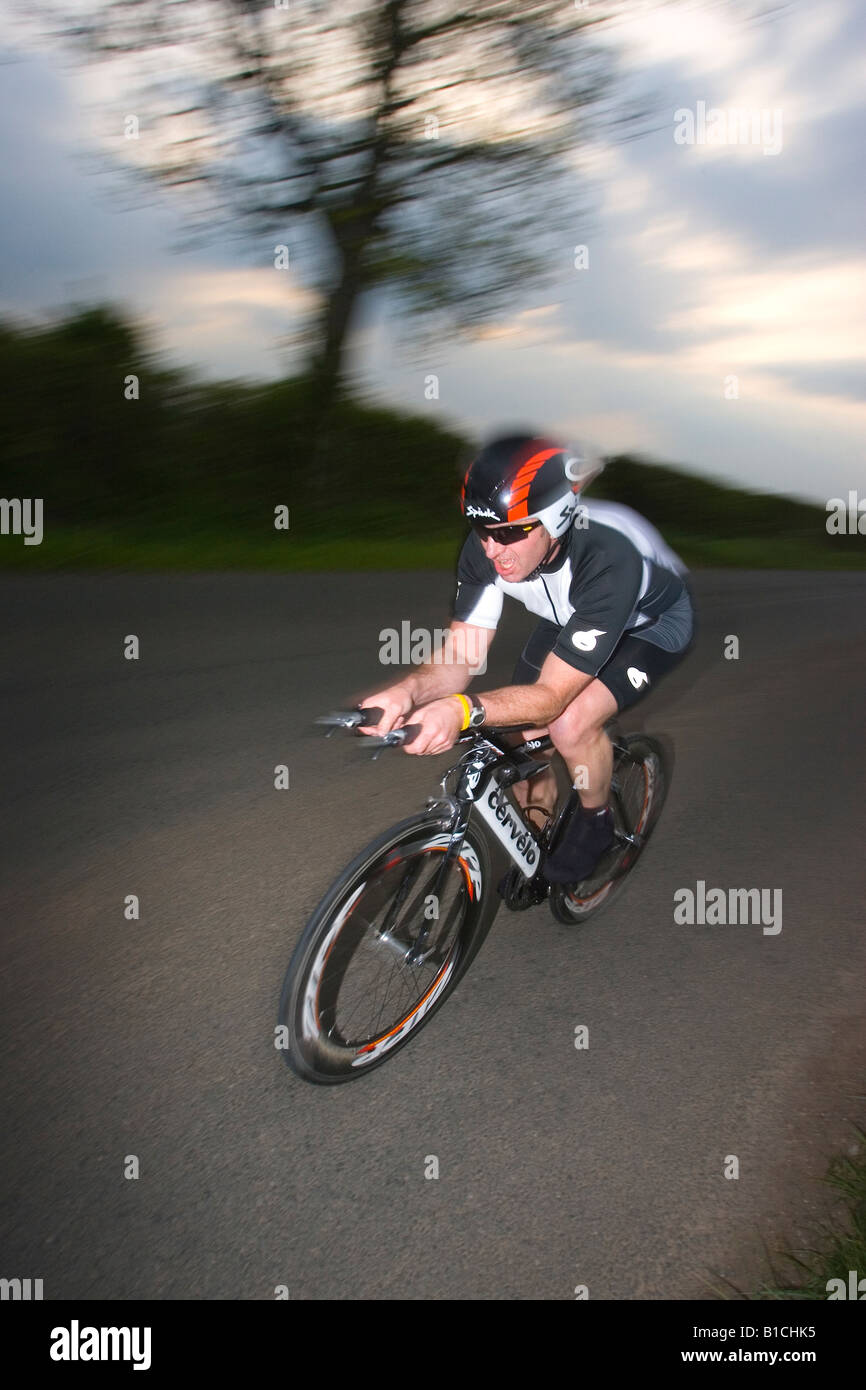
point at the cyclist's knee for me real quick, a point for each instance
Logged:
(570, 727)
(576, 725)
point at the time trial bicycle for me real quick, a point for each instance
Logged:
(400, 926)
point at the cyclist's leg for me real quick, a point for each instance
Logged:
(578, 736)
(541, 791)
(638, 663)
(635, 667)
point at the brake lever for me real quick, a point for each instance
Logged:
(349, 719)
(365, 718)
(394, 739)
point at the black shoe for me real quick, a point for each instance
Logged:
(587, 836)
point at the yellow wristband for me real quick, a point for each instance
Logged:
(467, 710)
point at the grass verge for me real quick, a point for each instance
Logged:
(173, 548)
(805, 1275)
(844, 1244)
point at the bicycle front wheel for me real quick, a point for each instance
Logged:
(384, 949)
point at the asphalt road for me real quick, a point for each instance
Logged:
(558, 1167)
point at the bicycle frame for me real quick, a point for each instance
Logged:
(478, 788)
(391, 938)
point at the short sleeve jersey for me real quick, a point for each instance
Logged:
(614, 574)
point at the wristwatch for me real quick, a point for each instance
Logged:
(477, 714)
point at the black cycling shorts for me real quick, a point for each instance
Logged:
(634, 669)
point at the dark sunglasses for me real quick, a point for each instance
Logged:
(504, 535)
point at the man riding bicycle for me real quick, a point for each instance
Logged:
(615, 616)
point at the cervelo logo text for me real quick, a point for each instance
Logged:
(585, 641)
(637, 678)
(76, 1343)
(482, 511)
(494, 809)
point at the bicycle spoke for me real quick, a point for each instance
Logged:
(367, 987)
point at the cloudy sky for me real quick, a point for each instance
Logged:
(718, 323)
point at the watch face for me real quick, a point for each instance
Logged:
(477, 716)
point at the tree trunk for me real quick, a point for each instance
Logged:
(352, 228)
(335, 322)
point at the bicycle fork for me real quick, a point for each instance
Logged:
(418, 953)
(471, 786)
(460, 805)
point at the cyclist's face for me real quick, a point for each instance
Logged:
(515, 562)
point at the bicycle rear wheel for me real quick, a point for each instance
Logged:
(351, 997)
(639, 788)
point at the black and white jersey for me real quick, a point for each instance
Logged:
(613, 575)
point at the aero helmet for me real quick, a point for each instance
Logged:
(522, 477)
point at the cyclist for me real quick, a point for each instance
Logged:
(615, 615)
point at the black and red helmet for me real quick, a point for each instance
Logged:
(521, 477)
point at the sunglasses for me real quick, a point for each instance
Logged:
(504, 535)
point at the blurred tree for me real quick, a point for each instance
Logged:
(427, 144)
(215, 458)
(68, 430)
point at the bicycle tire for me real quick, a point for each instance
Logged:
(574, 904)
(311, 1035)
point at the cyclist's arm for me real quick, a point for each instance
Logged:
(462, 656)
(458, 659)
(477, 606)
(522, 705)
(539, 704)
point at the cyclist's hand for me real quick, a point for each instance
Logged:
(396, 704)
(441, 722)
